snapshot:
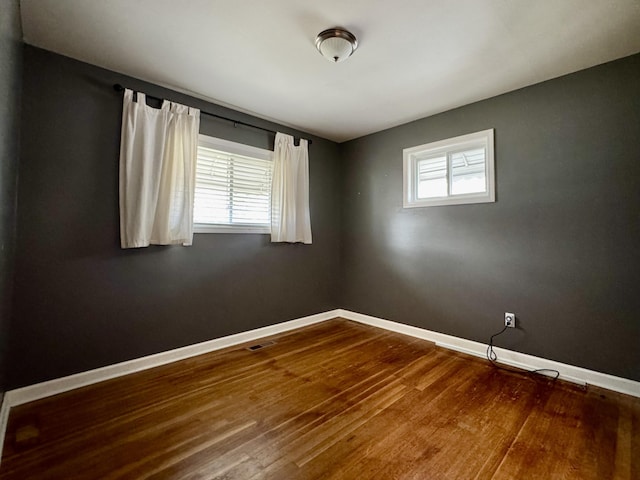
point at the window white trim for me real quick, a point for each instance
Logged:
(447, 148)
(234, 149)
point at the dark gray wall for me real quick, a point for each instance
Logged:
(80, 301)
(10, 87)
(560, 247)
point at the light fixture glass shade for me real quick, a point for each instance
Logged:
(336, 44)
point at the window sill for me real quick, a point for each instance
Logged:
(451, 200)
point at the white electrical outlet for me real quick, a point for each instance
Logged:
(509, 319)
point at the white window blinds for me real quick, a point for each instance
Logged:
(233, 188)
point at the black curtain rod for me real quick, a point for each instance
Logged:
(119, 88)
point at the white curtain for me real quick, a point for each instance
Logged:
(158, 151)
(290, 219)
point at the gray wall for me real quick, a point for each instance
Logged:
(80, 301)
(10, 86)
(560, 247)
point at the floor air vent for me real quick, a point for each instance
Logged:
(260, 345)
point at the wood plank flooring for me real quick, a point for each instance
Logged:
(337, 400)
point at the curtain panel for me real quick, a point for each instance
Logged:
(290, 218)
(158, 152)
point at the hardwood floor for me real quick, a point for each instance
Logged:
(337, 400)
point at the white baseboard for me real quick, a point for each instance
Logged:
(570, 373)
(71, 382)
(567, 372)
(31, 393)
(4, 418)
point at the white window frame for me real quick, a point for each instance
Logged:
(232, 148)
(448, 147)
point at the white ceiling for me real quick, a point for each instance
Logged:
(415, 57)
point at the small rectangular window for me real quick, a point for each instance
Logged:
(233, 188)
(449, 172)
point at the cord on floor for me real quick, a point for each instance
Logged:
(493, 358)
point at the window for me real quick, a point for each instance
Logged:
(450, 172)
(233, 188)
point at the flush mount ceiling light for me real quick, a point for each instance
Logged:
(336, 44)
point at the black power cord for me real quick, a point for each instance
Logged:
(493, 358)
